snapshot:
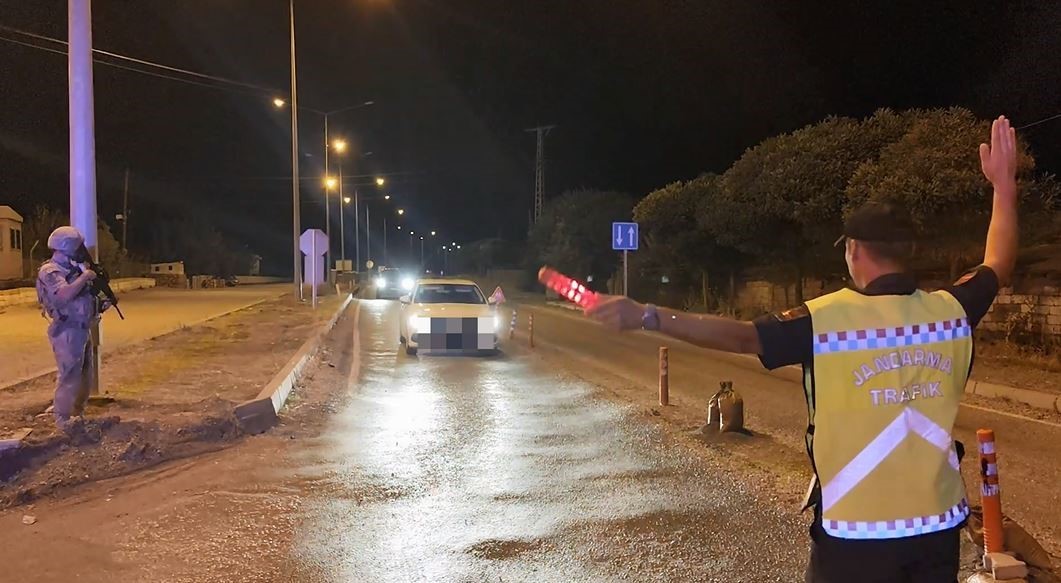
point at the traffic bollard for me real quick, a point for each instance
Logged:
(990, 499)
(512, 325)
(664, 376)
(530, 329)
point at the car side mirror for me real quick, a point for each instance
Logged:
(405, 300)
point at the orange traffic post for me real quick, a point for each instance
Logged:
(990, 498)
(664, 376)
(530, 329)
(512, 325)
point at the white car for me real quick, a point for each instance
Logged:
(448, 316)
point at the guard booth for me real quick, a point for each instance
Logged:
(10, 244)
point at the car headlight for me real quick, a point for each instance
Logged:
(407, 284)
(381, 282)
(419, 325)
(497, 323)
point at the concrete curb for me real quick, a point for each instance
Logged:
(1035, 399)
(259, 414)
(51, 370)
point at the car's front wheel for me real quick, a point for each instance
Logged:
(410, 350)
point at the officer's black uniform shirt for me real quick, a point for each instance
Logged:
(787, 337)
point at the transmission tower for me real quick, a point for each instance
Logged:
(539, 169)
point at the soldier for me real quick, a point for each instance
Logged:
(885, 366)
(66, 298)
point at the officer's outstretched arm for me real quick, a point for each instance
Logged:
(621, 313)
(999, 163)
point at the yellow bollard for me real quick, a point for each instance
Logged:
(990, 499)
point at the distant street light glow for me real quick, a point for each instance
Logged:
(386, 197)
(346, 199)
(401, 211)
(340, 146)
(330, 183)
(278, 103)
(380, 181)
(432, 233)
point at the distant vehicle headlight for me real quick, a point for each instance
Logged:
(407, 284)
(381, 282)
(419, 325)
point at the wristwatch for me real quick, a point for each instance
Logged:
(650, 319)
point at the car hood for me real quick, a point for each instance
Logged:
(451, 310)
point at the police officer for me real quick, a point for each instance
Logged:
(885, 366)
(64, 292)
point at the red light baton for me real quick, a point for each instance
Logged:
(568, 288)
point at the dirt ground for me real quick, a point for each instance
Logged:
(164, 399)
(1006, 364)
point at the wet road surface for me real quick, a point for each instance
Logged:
(458, 469)
(427, 469)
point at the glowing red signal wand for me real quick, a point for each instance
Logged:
(568, 288)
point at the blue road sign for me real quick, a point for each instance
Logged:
(624, 236)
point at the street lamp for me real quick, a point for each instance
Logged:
(380, 181)
(432, 233)
(279, 102)
(346, 199)
(330, 183)
(386, 197)
(401, 211)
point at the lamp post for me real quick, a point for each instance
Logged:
(342, 229)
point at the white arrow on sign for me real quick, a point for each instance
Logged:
(630, 235)
(619, 237)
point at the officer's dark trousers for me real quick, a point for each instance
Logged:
(74, 358)
(929, 558)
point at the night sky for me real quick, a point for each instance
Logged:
(643, 93)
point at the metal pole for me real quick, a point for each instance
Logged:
(386, 260)
(83, 145)
(327, 199)
(296, 225)
(125, 214)
(664, 376)
(342, 211)
(421, 252)
(368, 231)
(626, 288)
(357, 232)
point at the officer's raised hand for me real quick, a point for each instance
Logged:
(999, 160)
(617, 312)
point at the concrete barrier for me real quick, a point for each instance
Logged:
(260, 279)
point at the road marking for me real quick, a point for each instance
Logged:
(570, 316)
(1013, 415)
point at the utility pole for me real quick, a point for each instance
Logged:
(368, 231)
(296, 226)
(83, 146)
(539, 169)
(125, 214)
(327, 202)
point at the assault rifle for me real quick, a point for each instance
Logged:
(101, 286)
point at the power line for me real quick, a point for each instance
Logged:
(1042, 121)
(135, 59)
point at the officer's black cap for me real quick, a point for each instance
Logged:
(878, 222)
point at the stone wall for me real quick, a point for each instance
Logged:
(1031, 313)
(28, 295)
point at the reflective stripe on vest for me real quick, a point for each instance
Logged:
(888, 375)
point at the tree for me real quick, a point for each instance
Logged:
(676, 245)
(572, 233)
(933, 171)
(40, 223)
(782, 201)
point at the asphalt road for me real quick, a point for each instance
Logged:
(425, 469)
(1029, 450)
(148, 313)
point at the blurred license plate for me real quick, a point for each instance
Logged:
(457, 335)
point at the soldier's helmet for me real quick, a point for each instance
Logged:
(66, 239)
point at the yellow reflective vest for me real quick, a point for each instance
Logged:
(888, 375)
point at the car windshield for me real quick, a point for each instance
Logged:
(449, 293)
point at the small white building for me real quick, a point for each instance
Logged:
(10, 243)
(171, 268)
